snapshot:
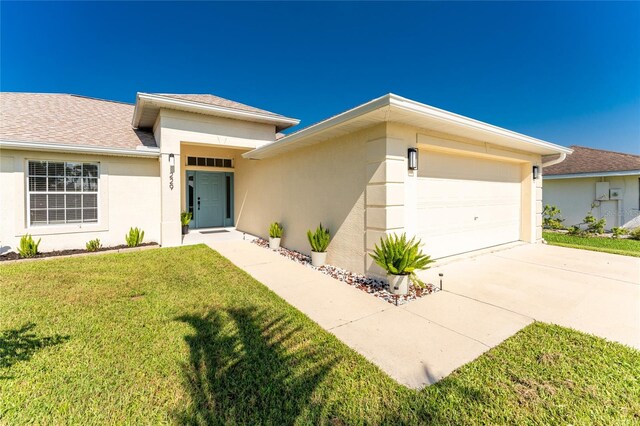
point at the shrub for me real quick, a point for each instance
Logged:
(594, 226)
(94, 245)
(28, 247)
(185, 218)
(134, 237)
(618, 232)
(635, 234)
(399, 256)
(275, 230)
(574, 230)
(319, 240)
(551, 218)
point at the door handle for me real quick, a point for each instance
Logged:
(198, 203)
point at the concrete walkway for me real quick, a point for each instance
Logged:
(486, 299)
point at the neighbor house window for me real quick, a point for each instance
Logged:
(59, 192)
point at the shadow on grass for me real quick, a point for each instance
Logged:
(21, 343)
(249, 367)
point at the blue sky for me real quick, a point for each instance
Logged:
(568, 73)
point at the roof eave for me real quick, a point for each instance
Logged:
(463, 121)
(319, 127)
(395, 101)
(149, 152)
(281, 123)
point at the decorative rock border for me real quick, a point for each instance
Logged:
(375, 287)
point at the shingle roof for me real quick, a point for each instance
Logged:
(590, 160)
(69, 119)
(218, 101)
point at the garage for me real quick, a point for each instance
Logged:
(466, 203)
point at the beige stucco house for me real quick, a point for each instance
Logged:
(605, 183)
(74, 168)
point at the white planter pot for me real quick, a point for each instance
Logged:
(398, 284)
(274, 243)
(318, 258)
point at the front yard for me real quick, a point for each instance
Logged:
(183, 336)
(623, 246)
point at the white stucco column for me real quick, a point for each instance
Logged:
(538, 204)
(385, 194)
(170, 181)
(171, 184)
(531, 212)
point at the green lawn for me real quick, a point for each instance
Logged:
(621, 246)
(182, 336)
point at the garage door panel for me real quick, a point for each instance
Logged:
(436, 165)
(466, 203)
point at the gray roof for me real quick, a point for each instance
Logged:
(591, 160)
(70, 120)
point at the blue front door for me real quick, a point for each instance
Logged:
(210, 199)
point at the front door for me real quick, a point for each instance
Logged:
(209, 199)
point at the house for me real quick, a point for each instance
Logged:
(75, 168)
(604, 182)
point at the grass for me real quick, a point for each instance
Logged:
(182, 336)
(622, 246)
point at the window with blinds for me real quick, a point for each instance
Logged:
(62, 192)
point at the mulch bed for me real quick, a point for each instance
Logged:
(15, 256)
(373, 286)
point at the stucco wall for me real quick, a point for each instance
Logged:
(575, 196)
(128, 196)
(324, 183)
(175, 128)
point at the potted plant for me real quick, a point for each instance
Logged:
(400, 258)
(275, 235)
(319, 241)
(185, 218)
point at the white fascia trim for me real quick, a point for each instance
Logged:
(321, 126)
(80, 149)
(235, 113)
(460, 120)
(391, 100)
(592, 175)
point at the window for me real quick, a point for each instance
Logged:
(228, 203)
(60, 192)
(209, 162)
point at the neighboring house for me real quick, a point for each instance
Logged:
(75, 168)
(604, 182)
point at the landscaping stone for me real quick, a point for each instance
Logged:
(375, 287)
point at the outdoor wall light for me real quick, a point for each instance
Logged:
(412, 157)
(172, 160)
(536, 172)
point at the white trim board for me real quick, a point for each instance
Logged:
(159, 101)
(405, 110)
(80, 149)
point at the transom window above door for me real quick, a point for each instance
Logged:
(62, 192)
(209, 162)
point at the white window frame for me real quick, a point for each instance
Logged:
(28, 193)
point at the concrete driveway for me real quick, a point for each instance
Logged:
(594, 292)
(486, 299)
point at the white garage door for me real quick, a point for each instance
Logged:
(466, 203)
